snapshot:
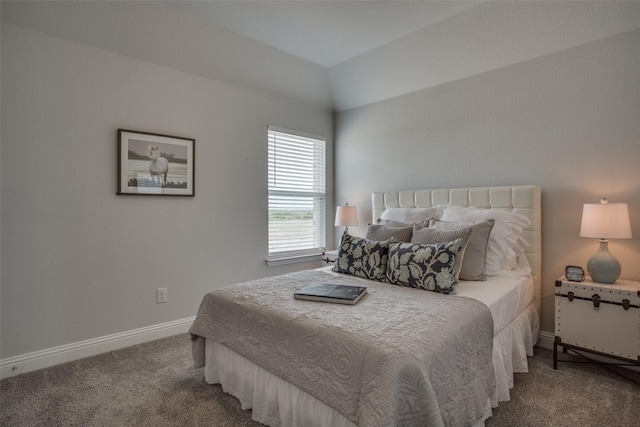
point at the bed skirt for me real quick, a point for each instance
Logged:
(275, 402)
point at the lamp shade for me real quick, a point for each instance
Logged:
(605, 221)
(346, 215)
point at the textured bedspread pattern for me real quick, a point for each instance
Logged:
(401, 356)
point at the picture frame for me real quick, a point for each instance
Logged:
(152, 164)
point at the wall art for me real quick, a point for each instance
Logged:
(155, 164)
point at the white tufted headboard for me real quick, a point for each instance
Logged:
(522, 199)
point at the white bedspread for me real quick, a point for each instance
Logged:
(506, 295)
(516, 325)
(277, 402)
(401, 356)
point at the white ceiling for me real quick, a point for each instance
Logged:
(325, 32)
(335, 54)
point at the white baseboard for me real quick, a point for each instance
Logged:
(545, 340)
(66, 353)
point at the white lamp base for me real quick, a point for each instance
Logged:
(603, 267)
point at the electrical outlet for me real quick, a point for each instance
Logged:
(162, 295)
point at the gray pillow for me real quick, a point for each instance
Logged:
(385, 232)
(431, 236)
(475, 254)
(392, 223)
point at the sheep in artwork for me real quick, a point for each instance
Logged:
(158, 167)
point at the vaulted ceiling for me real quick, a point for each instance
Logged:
(324, 32)
(334, 54)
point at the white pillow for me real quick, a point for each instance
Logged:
(520, 246)
(522, 265)
(411, 215)
(505, 242)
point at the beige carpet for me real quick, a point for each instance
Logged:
(153, 384)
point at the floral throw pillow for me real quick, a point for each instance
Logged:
(363, 257)
(429, 267)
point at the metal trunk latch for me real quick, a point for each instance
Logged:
(625, 304)
(596, 302)
(570, 296)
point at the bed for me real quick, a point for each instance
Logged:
(401, 356)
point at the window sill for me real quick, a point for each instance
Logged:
(293, 259)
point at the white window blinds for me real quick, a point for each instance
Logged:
(297, 194)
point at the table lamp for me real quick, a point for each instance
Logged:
(605, 221)
(346, 215)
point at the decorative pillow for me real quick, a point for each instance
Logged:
(522, 265)
(475, 254)
(503, 241)
(429, 267)
(384, 232)
(430, 236)
(412, 214)
(363, 257)
(392, 223)
(520, 246)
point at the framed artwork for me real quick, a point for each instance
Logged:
(154, 164)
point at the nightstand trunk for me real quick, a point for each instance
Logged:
(598, 319)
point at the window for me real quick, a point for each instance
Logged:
(297, 196)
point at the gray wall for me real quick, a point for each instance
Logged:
(568, 121)
(79, 262)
